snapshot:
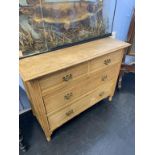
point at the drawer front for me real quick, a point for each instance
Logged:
(107, 60)
(54, 102)
(77, 107)
(101, 92)
(64, 76)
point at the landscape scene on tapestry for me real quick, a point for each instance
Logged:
(47, 24)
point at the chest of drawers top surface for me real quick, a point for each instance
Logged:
(40, 65)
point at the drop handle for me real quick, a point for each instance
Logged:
(67, 77)
(101, 94)
(68, 96)
(69, 112)
(107, 61)
(104, 77)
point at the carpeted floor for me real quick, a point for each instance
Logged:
(107, 128)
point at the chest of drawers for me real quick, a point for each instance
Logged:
(62, 84)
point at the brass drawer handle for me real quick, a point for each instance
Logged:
(67, 77)
(104, 77)
(101, 94)
(107, 61)
(68, 96)
(69, 112)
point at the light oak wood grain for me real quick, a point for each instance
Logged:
(37, 66)
(79, 106)
(36, 100)
(105, 61)
(58, 99)
(62, 84)
(60, 77)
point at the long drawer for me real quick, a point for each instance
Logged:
(55, 101)
(106, 60)
(62, 116)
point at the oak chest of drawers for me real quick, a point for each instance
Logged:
(64, 83)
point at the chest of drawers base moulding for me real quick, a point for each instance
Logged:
(62, 84)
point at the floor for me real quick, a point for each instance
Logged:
(105, 129)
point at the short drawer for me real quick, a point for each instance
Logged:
(53, 101)
(62, 116)
(63, 76)
(106, 60)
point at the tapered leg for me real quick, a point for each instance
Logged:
(48, 136)
(21, 144)
(120, 82)
(120, 79)
(48, 139)
(110, 98)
